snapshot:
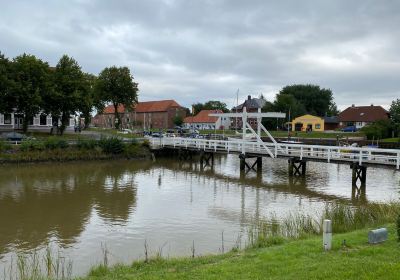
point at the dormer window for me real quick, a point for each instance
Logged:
(361, 114)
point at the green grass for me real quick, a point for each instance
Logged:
(300, 259)
(44, 135)
(391, 140)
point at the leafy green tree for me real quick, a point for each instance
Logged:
(395, 115)
(65, 97)
(30, 79)
(6, 98)
(115, 85)
(215, 105)
(87, 98)
(378, 130)
(315, 100)
(196, 108)
(209, 105)
(178, 120)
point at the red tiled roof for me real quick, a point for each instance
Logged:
(363, 114)
(203, 117)
(156, 106)
(145, 107)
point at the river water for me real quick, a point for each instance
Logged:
(79, 208)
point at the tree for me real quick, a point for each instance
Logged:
(395, 115)
(65, 98)
(313, 99)
(6, 98)
(378, 130)
(30, 81)
(87, 98)
(215, 105)
(115, 85)
(209, 105)
(178, 120)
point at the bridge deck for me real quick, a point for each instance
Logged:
(335, 154)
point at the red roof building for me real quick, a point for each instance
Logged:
(360, 116)
(150, 114)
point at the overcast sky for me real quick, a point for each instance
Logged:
(194, 51)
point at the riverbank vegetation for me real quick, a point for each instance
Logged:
(59, 149)
(288, 248)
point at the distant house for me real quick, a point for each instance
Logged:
(359, 116)
(203, 121)
(313, 123)
(150, 114)
(40, 122)
(252, 105)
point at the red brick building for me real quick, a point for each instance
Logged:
(252, 105)
(147, 115)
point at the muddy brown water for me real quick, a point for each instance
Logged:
(76, 208)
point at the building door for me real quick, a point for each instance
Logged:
(18, 121)
(298, 126)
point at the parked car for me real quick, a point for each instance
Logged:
(156, 135)
(14, 136)
(349, 129)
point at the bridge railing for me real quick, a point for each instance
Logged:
(328, 153)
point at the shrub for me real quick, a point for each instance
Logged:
(4, 146)
(112, 145)
(398, 228)
(32, 145)
(86, 144)
(55, 143)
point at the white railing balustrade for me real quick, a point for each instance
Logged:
(328, 153)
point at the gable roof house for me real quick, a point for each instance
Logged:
(359, 116)
(150, 114)
(203, 121)
(252, 105)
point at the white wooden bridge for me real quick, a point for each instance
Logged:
(298, 154)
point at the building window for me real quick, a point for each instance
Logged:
(127, 120)
(7, 118)
(43, 119)
(317, 126)
(31, 121)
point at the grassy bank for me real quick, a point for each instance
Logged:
(58, 149)
(290, 249)
(299, 259)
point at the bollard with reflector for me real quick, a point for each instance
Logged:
(327, 235)
(377, 235)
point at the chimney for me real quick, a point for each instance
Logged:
(352, 105)
(248, 97)
(372, 105)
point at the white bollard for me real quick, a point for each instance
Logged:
(327, 235)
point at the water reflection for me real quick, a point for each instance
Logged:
(46, 201)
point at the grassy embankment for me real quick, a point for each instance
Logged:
(58, 149)
(290, 250)
(114, 132)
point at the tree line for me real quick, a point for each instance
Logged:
(29, 86)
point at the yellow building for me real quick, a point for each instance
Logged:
(308, 123)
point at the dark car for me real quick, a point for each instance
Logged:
(156, 135)
(349, 129)
(14, 136)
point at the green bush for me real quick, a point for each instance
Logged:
(112, 145)
(32, 145)
(55, 143)
(378, 130)
(86, 144)
(4, 146)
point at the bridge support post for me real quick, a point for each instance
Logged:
(256, 166)
(206, 159)
(359, 173)
(184, 154)
(297, 167)
(259, 164)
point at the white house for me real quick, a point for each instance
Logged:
(14, 121)
(203, 121)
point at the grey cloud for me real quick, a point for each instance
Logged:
(197, 50)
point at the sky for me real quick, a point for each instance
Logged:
(199, 50)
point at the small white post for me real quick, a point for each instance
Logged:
(327, 235)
